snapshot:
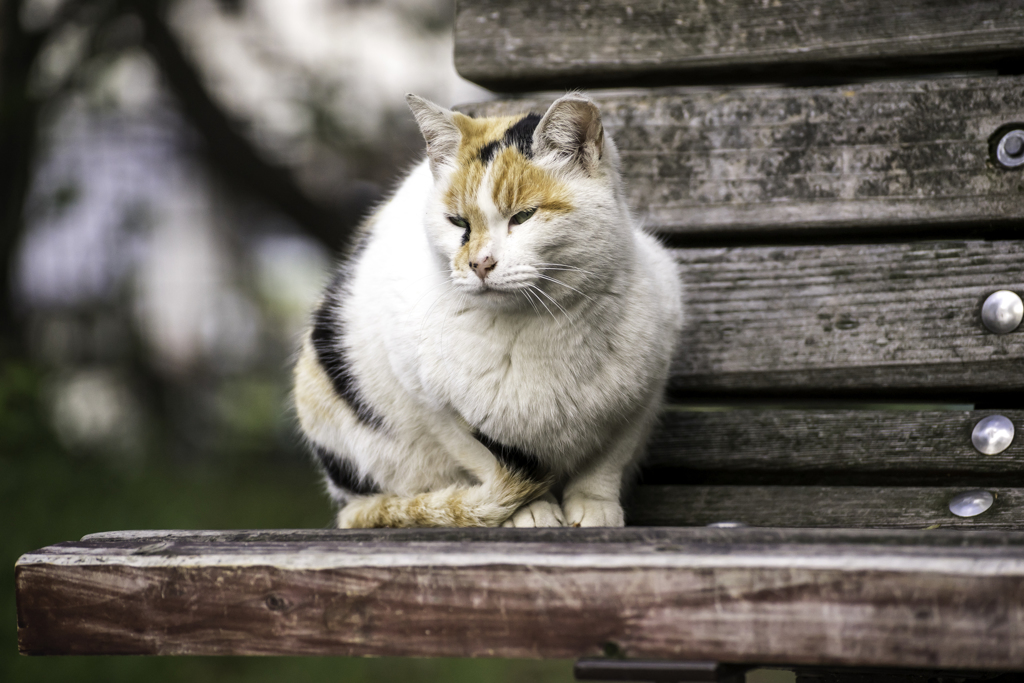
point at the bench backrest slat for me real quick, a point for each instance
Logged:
(910, 157)
(829, 447)
(536, 44)
(882, 318)
(880, 507)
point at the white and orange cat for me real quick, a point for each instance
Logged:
(495, 350)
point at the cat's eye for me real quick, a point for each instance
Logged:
(523, 216)
(460, 222)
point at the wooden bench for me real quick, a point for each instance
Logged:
(838, 238)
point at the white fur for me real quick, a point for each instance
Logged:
(573, 373)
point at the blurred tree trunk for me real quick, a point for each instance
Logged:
(18, 123)
(225, 147)
(231, 153)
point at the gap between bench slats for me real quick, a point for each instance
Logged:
(901, 158)
(533, 44)
(829, 319)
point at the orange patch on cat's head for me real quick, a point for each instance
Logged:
(517, 184)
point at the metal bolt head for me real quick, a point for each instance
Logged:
(992, 434)
(971, 503)
(1002, 311)
(1014, 146)
(1010, 150)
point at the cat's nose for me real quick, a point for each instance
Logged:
(483, 267)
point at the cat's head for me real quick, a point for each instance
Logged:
(527, 208)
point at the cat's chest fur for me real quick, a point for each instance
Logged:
(523, 379)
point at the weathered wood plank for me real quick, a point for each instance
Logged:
(877, 507)
(836, 446)
(533, 44)
(881, 158)
(849, 317)
(933, 599)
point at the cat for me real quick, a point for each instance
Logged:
(495, 350)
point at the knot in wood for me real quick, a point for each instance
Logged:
(275, 603)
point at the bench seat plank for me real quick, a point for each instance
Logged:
(906, 157)
(533, 44)
(842, 447)
(878, 507)
(829, 319)
(941, 599)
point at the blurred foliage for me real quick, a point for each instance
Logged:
(48, 495)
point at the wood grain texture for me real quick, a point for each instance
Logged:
(533, 44)
(889, 317)
(876, 507)
(841, 447)
(934, 599)
(903, 157)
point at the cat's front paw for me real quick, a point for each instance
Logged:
(593, 512)
(362, 513)
(544, 511)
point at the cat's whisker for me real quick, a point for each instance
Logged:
(454, 290)
(526, 293)
(538, 290)
(552, 300)
(588, 298)
(566, 267)
(519, 280)
(429, 290)
(426, 316)
(534, 287)
(568, 270)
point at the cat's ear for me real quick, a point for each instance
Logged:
(572, 130)
(439, 130)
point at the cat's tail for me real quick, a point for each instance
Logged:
(487, 504)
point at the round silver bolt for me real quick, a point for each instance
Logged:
(992, 434)
(727, 525)
(1014, 146)
(1010, 150)
(971, 503)
(1002, 311)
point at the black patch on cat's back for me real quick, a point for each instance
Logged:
(519, 135)
(326, 338)
(343, 474)
(516, 460)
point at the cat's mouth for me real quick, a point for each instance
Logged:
(491, 290)
(504, 286)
